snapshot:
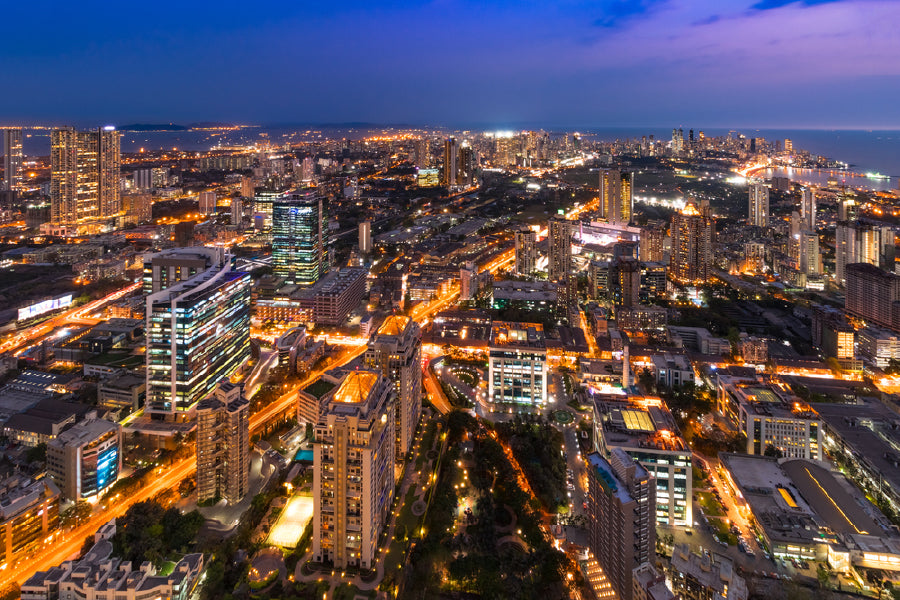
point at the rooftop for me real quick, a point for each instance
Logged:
(638, 422)
(518, 335)
(356, 387)
(394, 325)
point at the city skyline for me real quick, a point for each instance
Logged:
(510, 65)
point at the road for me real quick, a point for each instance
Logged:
(80, 315)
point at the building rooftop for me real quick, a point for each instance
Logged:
(638, 422)
(356, 387)
(394, 325)
(84, 432)
(518, 335)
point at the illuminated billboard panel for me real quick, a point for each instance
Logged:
(29, 312)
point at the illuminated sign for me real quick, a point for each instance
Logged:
(107, 468)
(29, 312)
(428, 177)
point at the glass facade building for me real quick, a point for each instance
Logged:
(198, 333)
(299, 238)
(517, 367)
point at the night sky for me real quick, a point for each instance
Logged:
(714, 63)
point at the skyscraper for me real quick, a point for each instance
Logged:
(621, 506)
(206, 202)
(299, 238)
(13, 159)
(759, 205)
(422, 159)
(451, 162)
(810, 262)
(560, 248)
(808, 208)
(353, 470)
(197, 326)
(468, 281)
(396, 351)
(465, 174)
(365, 237)
(526, 251)
(616, 202)
(872, 294)
(223, 444)
(651, 244)
(692, 244)
(237, 210)
(856, 243)
(84, 177)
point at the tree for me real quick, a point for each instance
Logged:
(76, 514)
(37, 454)
(773, 452)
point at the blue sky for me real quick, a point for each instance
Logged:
(761, 63)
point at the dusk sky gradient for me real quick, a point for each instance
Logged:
(613, 63)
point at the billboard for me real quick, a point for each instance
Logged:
(428, 177)
(29, 312)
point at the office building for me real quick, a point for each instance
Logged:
(808, 209)
(395, 350)
(223, 444)
(353, 474)
(692, 245)
(769, 414)
(560, 248)
(871, 294)
(365, 238)
(13, 160)
(197, 326)
(299, 238)
(621, 498)
(526, 251)
(759, 205)
(29, 515)
(616, 202)
(645, 429)
(84, 178)
(207, 203)
(451, 162)
(85, 460)
(517, 365)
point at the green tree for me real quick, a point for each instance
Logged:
(37, 454)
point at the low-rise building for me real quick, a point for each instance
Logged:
(671, 369)
(878, 346)
(706, 577)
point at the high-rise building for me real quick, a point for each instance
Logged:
(197, 326)
(223, 444)
(84, 177)
(451, 162)
(396, 351)
(137, 207)
(808, 208)
(13, 160)
(692, 245)
(422, 158)
(857, 243)
(652, 244)
(353, 474)
(759, 205)
(517, 367)
(872, 293)
(248, 190)
(30, 514)
(365, 238)
(677, 141)
(810, 262)
(85, 460)
(621, 506)
(526, 251)
(560, 248)
(465, 174)
(237, 211)
(142, 180)
(207, 203)
(788, 145)
(616, 201)
(299, 238)
(468, 281)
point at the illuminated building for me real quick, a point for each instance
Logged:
(692, 245)
(677, 141)
(759, 205)
(13, 159)
(838, 339)
(29, 513)
(879, 346)
(263, 202)
(517, 365)
(237, 211)
(705, 577)
(198, 326)
(422, 158)
(451, 162)
(808, 208)
(353, 472)
(651, 244)
(770, 415)
(468, 281)
(206, 202)
(223, 444)
(365, 237)
(616, 202)
(645, 429)
(299, 238)
(428, 177)
(137, 208)
(788, 145)
(872, 294)
(396, 350)
(86, 459)
(560, 248)
(526, 251)
(810, 260)
(84, 178)
(465, 173)
(649, 584)
(621, 497)
(856, 243)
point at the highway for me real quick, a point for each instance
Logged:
(64, 545)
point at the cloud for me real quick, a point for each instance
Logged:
(771, 4)
(615, 12)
